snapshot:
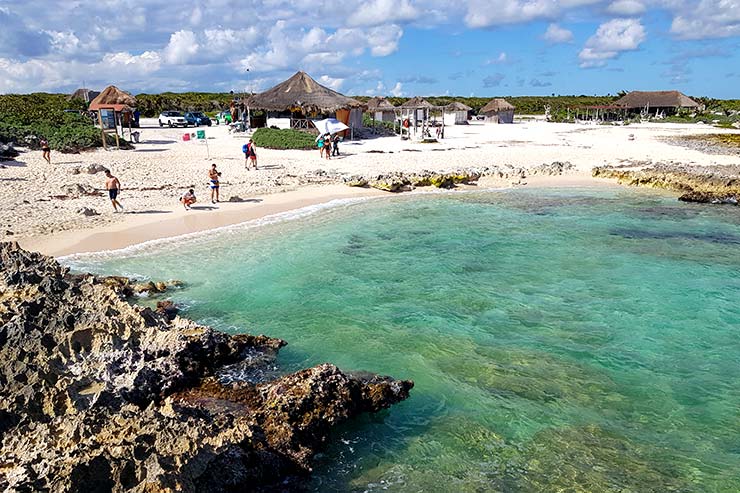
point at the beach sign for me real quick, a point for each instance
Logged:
(186, 137)
(201, 134)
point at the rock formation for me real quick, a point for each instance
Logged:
(97, 394)
(706, 184)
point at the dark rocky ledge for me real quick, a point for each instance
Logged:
(98, 395)
(704, 184)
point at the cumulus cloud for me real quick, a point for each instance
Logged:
(626, 8)
(539, 83)
(489, 13)
(611, 39)
(182, 48)
(331, 82)
(380, 12)
(501, 58)
(397, 90)
(557, 34)
(708, 19)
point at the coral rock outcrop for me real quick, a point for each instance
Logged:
(97, 394)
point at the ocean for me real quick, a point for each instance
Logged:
(579, 340)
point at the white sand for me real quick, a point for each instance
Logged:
(162, 167)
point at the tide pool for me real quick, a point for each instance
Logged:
(578, 340)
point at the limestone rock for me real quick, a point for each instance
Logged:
(100, 395)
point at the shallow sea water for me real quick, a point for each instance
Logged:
(578, 340)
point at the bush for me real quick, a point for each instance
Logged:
(271, 138)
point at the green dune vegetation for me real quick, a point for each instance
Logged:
(287, 138)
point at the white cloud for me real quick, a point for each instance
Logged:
(501, 58)
(397, 90)
(626, 8)
(381, 12)
(707, 19)
(488, 13)
(611, 39)
(182, 48)
(557, 34)
(331, 82)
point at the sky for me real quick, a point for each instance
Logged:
(374, 47)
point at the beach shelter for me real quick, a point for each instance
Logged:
(300, 98)
(659, 102)
(329, 126)
(381, 109)
(498, 111)
(456, 113)
(114, 107)
(415, 113)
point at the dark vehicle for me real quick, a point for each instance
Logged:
(197, 118)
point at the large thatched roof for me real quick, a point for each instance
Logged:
(656, 99)
(301, 91)
(416, 103)
(379, 103)
(84, 94)
(496, 105)
(457, 106)
(113, 97)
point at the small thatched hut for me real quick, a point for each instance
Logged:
(660, 102)
(381, 109)
(84, 94)
(498, 111)
(456, 113)
(120, 102)
(294, 102)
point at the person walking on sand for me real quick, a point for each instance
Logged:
(188, 199)
(335, 145)
(46, 150)
(320, 144)
(214, 175)
(251, 155)
(327, 146)
(113, 186)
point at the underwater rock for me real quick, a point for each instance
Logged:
(703, 184)
(97, 394)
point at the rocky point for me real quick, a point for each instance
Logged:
(97, 394)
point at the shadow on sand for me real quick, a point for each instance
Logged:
(150, 211)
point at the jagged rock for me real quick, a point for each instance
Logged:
(168, 309)
(552, 169)
(100, 395)
(706, 184)
(235, 198)
(87, 211)
(95, 168)
(7, 151)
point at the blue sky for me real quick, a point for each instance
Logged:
(368, 47)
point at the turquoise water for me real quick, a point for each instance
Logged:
(560, 340)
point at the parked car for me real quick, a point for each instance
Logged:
(223, 117)
(197, 118)
(172, 119)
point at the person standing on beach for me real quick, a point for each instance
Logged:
(327, 146)
(320, 143)
(335, 145)
(113, 186)
(251, 155)
(214, 175)
(46, 150)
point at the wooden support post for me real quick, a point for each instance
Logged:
(102, 131)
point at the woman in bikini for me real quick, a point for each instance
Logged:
(46, 150)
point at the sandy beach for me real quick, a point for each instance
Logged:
(43, 206)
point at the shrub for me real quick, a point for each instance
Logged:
(283, 139)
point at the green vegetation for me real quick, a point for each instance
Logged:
(273, 138)
(151, 105)
(368, 122)
(26, 119)
(730, 141)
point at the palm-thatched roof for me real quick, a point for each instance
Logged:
(85, 94)
(457, 106)
(113, 97)
(656, 99)
(301, 91)
(496, 105)
(416, 103)
(379, 103)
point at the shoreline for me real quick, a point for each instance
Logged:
(142, 227)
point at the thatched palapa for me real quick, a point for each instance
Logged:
(302, 93)
(457, 106)
(379, 103)
(456, 113)
(639, 100)
(113, 98)
(417, 103)
(498, 111)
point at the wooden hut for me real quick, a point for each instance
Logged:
(415, 114)
(498, 111)
(381, 109)
(456, 113)
(119, 106)
(656, 102)
(294, 102)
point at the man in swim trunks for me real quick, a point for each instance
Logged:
(214, 175)
(113, 186)
(188, 199)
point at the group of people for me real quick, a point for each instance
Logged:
(328, 145)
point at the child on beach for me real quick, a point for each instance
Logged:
(188, 199)
(213, 176)
(113, 186)
(46, 150)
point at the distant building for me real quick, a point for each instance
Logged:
(381, 109)
(456, 113)
(658, 102)
(498, 111)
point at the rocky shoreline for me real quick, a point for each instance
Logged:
(702, 184)
(101, 395)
